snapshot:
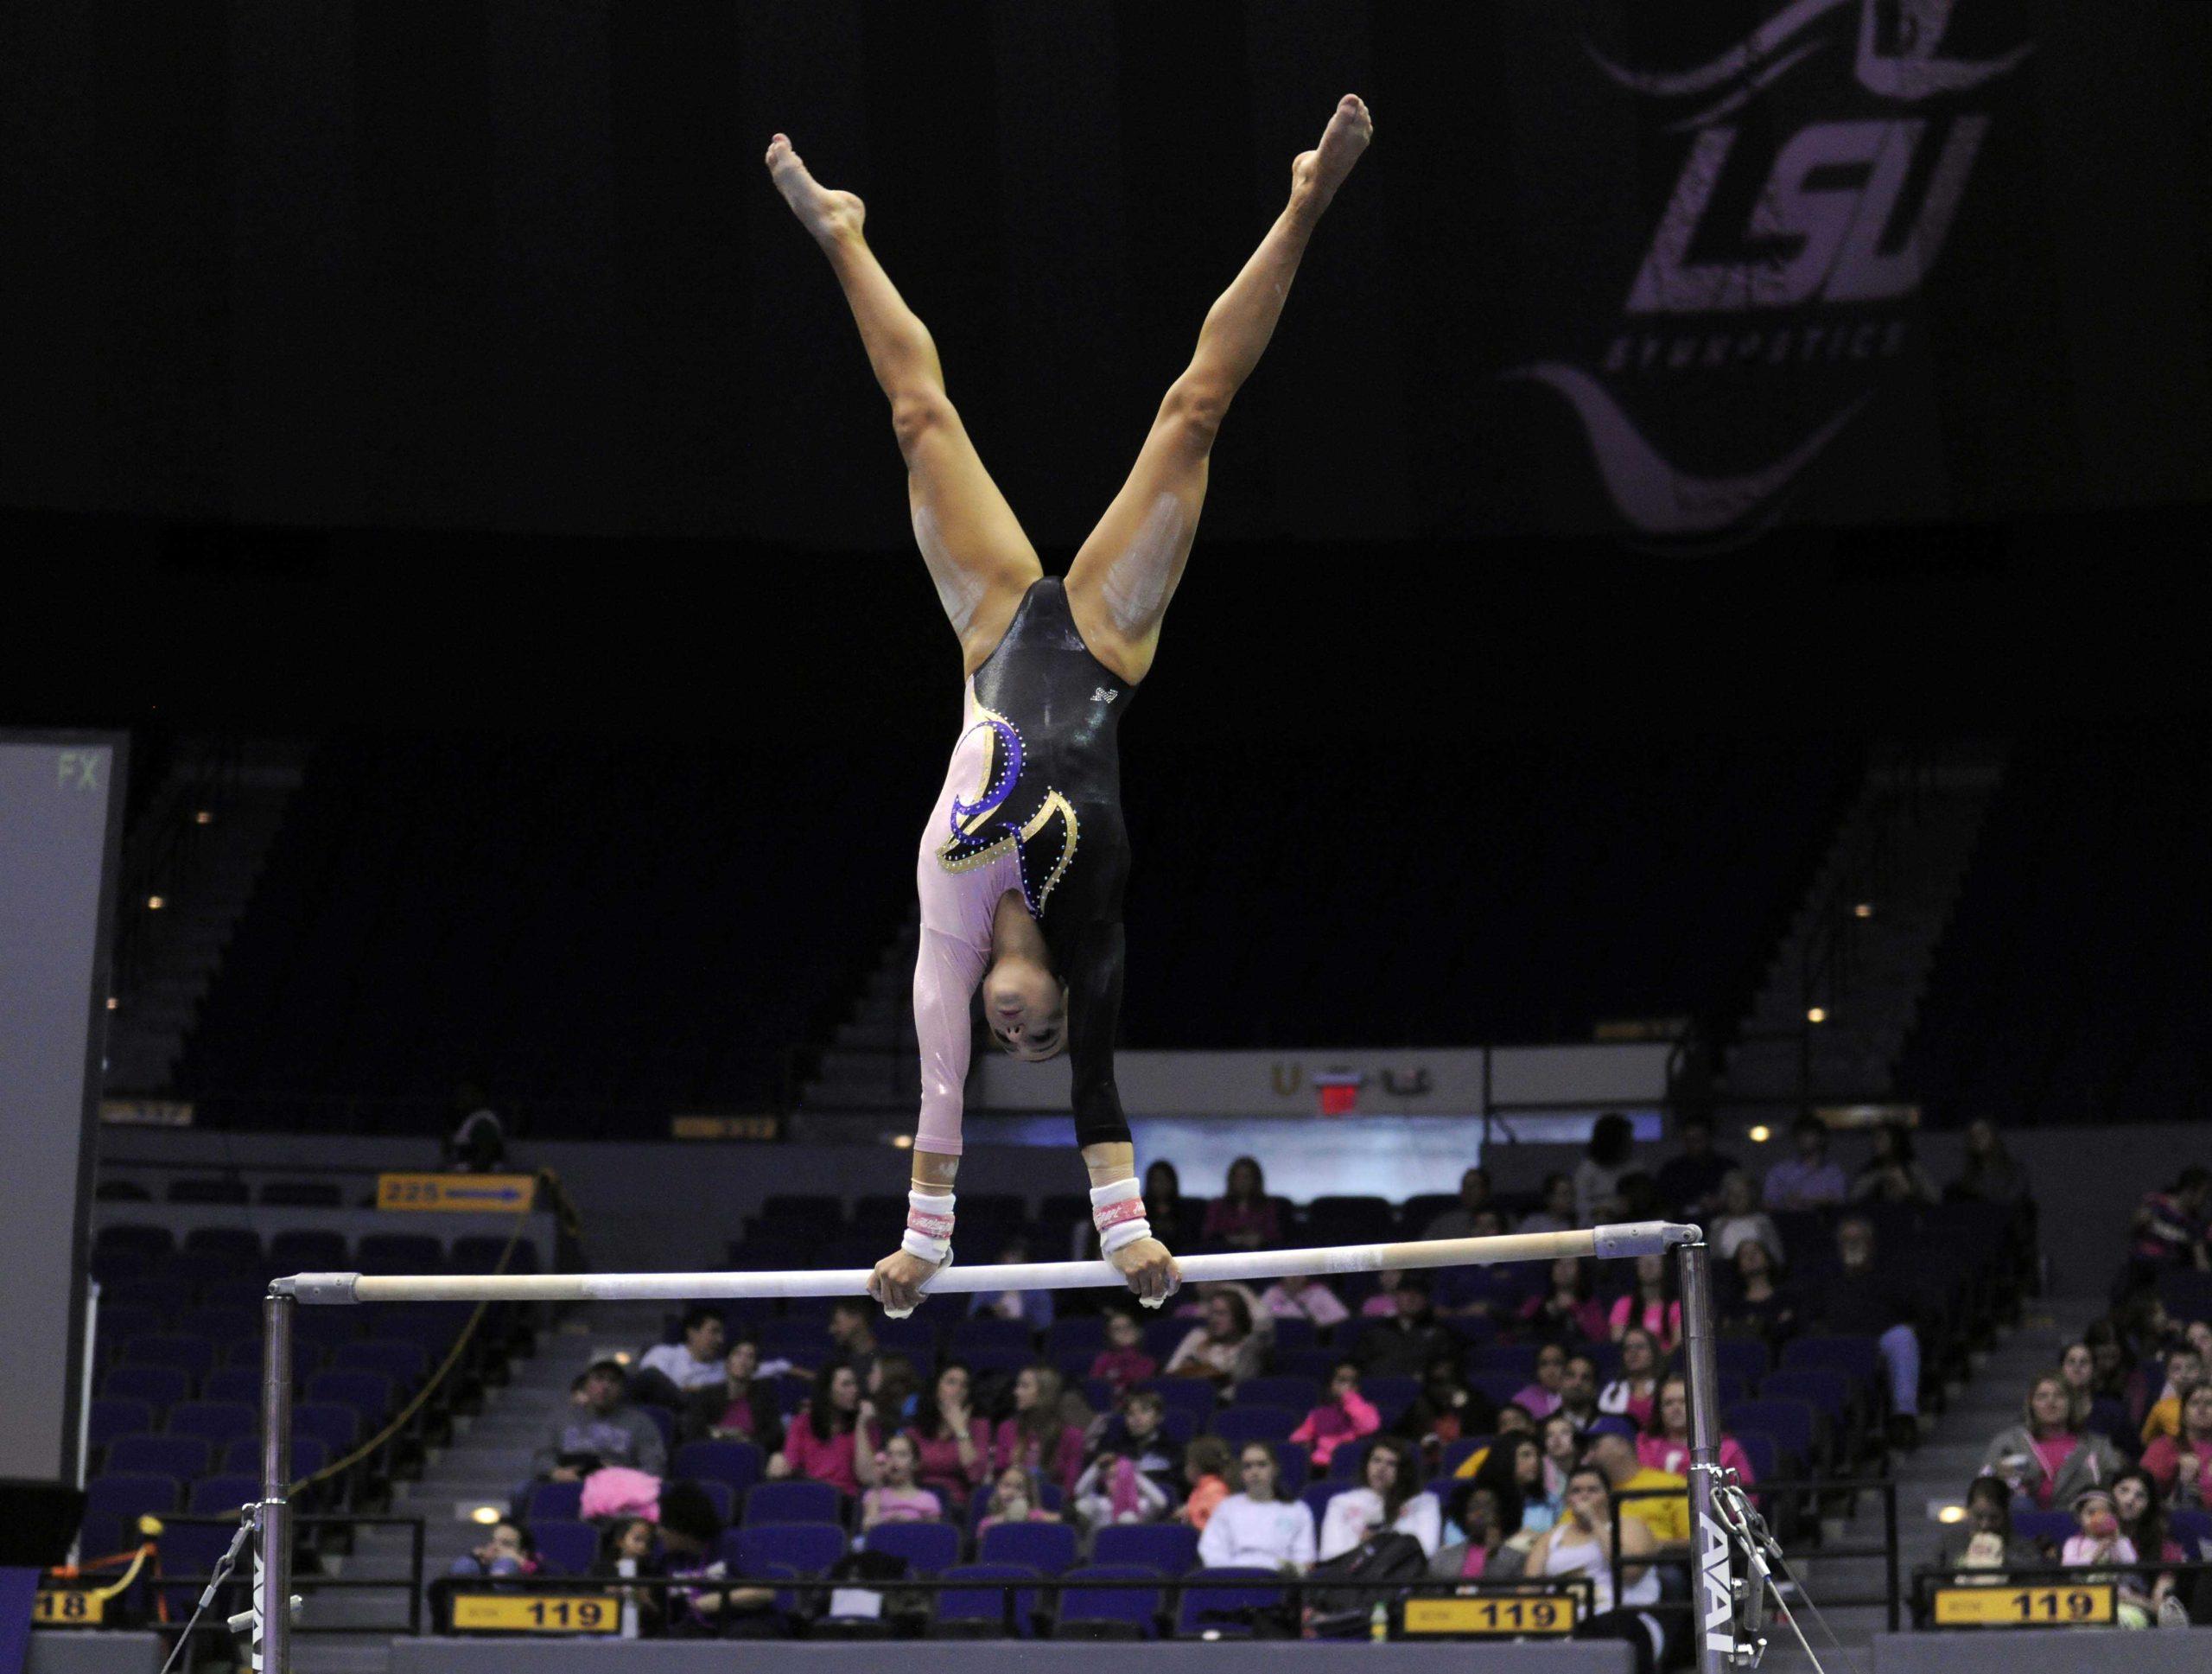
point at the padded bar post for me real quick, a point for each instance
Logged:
(1641, 1237)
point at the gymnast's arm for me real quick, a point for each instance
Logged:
(1089, 959)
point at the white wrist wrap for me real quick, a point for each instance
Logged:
(1118, 1211)
(929, 1227)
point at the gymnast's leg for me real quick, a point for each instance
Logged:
(977, 554)
(1127, 570)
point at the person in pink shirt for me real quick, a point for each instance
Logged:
(1037, 1437)
(2182, 1465)
(1566, 1312)
(895, 1498)
(1542, 1397)
(1655, 1304)
(1123, 1362)
(1634, 1393)
(1303, 1297)
(1015, 1498)
(1383, 1304)
(952, 1445)
(1345, 1415)
(1243, 1217)
(820, 1443)
(1665, 1443)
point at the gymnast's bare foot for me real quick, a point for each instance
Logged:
(1315, 175)
(824, 213)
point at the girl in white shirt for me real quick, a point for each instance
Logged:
(1389, 1499)
(1258, 1527)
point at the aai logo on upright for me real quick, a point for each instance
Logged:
(1846, 216)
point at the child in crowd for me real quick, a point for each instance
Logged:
(1344, 1415)
(1014, 1500)
(1123, 1361)
(895, 1498)
(1112, 1489)
(1207, 1464)
(1138, 1433)
(506, 1550)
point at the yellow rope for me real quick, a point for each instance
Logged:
(138, 1563)
(551, 1182)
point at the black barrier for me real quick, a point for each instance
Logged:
(215, 1620)
(2050, 1595)
(445, 1590)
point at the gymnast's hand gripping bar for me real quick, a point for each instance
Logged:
(1636, 1239)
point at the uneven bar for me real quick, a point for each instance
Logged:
(1634, 1239)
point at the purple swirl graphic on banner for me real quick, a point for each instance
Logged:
(1000, 788)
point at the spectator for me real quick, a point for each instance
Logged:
(1403, 1346)
(2146, 1331)
(892, 1388)
(1459, 1223)
(1689, 1184)
(896, 1497)
(1581, 1543)
(1123, 1361)
(1513, 1470)
(1015, 1499)
(2109, 1356)
(2042, 1456)
(1577, 1391)
(952, 1445)
(507, 1550)
(1654, 1303)
(1488, 1520)
(2106, 1416)
(1758, 1305)
(1596, 1177)
(1383, 1304)
(1985, 1541)
(1633, 1394)
(668, 1372)
(833, 1439)
(1138, 1432)
(1039, 1437)
(739, 1406)
(1445, 1411)
(1890, 1175)
(1033, 1307)
(1665, 1443)
(603, 1428)
(1662, 1501)
(1303, 1297)
(1635, 1197)
(1857, 1298)
(1567, 1312)
(1561, 1439)
(1739, 1218)
(1113, 1489)
(1989, 1175)
(626, 1551)
(1808, 1180)
(1344, 1415)
(2181, 1465)
(2184, 1372)
(1556, 1211)
(1542, 1397)
(1243, 1216)
(1258, 1525)
(688, 1532)
(1490, 1290)
(1225, 1350)
(853, 1337)
(2143, 1526)
(1171, 1219)
(1206, 1468)
(1389, 1498)
(2170, 1225)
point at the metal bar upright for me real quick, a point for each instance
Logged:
(272, 1567)
(1712, 1601)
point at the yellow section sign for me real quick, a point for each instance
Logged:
(472, 1193)
(2070, 1604)
(68, 1608)
(1501, 1615)
(535, 1613)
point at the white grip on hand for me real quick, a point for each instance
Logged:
(1118, 1211)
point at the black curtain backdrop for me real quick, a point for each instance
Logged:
(516, 264)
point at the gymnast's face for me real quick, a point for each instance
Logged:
(1027, 1007)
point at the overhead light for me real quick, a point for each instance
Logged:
(620, 1357)
(1951, 1514)
(155, 903)
(1816, 1014)
(902, 1142)
(114, 1004)
(1864, 910)
(487, 1515)
(207, 817)
(1761, 1134)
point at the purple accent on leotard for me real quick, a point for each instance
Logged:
(998, 793)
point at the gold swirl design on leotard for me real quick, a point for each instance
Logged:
(1001, 765)
(1071, 833)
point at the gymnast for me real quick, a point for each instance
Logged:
(1024, 858)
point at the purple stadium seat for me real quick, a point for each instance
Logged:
(735, 1463)
(368, 1392)
(1789, 1422)
(404, 1363)
(810, 1548)
(195, 1355)
(190, 1552)
(336, 1427)
(1859, 1358)
(1457, 1452)
(1240, 1423)
(1110, 1612)
(1081, 1333)
(1168, 1548)
(400, 1252)
(310, 1454)
(1293, 1465)
(219, 1423)
(565, 1546)
(927, 1547)
(1193, 1395)
(1516, 1360)
(987, 1331)
(1389, 1397)
(980, 1612)
(309, 1251)
(222, 1495)
(793, 1502)
(1500, 1386)
(180, 1456)
(1048, 1548)
(1225, 1611)
(554, 1502)
(152, 1242)
(1295, 1333)
(2041, 1526)
(1317, 1497)
(111, 1416)
(160, 1387)
(1301, 1394)
(113, 1505)
(1742, 1357)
